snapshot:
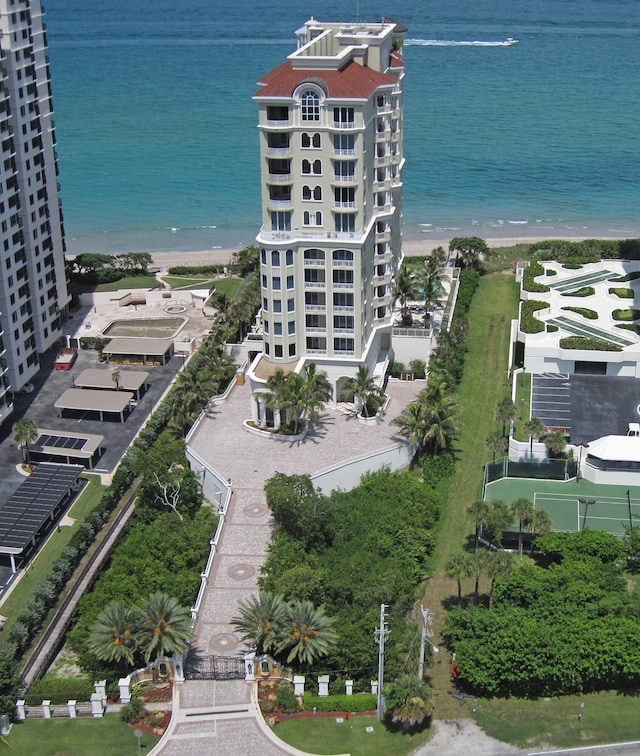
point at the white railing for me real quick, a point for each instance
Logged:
(278, 124)
(344, 124)
(344, 153)
(342, 285)
(344, 204)
(279, 178)
(315, 308)
(343, 263)
(278, 152)
(350, 179)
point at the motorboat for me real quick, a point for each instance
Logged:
(510, 41)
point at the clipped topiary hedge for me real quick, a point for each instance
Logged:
(357, 702)
(529, 323)
(59, 690)
(623, 293)
(626, 315)
(585, 291)
(584, 311)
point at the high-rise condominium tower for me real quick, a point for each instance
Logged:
(330, 123)
(33, 289)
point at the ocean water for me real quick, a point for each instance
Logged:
(157, 134)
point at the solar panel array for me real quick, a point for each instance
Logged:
(61, 442)
(30, 506)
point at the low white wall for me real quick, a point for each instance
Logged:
(610, 477)
(520, 451)
(407, 348)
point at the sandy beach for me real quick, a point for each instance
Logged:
(412, 248)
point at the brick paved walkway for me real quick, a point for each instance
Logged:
(219, 716)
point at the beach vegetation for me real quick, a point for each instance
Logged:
(90, 269)
(470, 251)
(245, 261)
(584, 311)
(585, 342)
(196, 271)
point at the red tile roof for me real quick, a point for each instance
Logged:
(396, 60)
(353, 81)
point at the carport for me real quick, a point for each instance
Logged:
(35, 506)
(108, 405)
(128, 380)
(66, 448)
(140, 350)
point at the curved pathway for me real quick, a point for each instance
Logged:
(220, 716)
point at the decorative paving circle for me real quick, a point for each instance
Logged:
(257, 509)
(223, 642)
(241, 571)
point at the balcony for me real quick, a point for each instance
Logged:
(344, 331)
(316, 329)
(279, 178)
(343, 285)
(315, 284)
(343, 352)
(381, 161)
(344, 153)
(343, 125)
(278, 152)
(313, 263)
(340, 205)
(316, 351)
(278, 124)
(343, 263)
(344, 308)
(315, 308)
(280, 204)
(348, 179)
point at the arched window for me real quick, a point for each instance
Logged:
(306, 141)
(317, 167)
(306, 166)
(310, 105)
(317, 193)
(316, 141)
(312, 194)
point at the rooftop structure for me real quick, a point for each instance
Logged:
(33, 289)
(331, 155)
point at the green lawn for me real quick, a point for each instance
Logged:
(41, 566)
(607, 717)
(132, 282)
(76, 737)
(325, 736)
(228, 286)
(523, 405)
(181, 282)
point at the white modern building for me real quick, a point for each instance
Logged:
(33, 289)
(331, 152)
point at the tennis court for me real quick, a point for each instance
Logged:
(607, 507)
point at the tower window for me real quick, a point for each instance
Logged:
(310, 102)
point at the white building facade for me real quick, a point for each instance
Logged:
(331, 151)
(33, 288)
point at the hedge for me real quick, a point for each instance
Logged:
(582, 342)
(357, 702)
(623, 293)
(195, 270)
(627, 315)
(529, 323)
(585, 291)
(584, 311)
(528, 278)
(589, 250)
(59, 690)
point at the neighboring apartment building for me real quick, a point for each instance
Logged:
(330, 122)
(33, 289)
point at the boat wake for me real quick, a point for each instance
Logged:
(454, 43)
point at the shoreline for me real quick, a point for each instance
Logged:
(411, 247)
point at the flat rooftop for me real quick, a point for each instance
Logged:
(128, 380)
(138, 346)
(94, 400)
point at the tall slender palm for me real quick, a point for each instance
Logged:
(165, 626)
(498, 518)
(412, 422)
(478, 511)
(309, 633)
(408, 700)
(25, 432)
(277, 385)
(523, 511)
(457, 567)
(430, 279)
(496, 443)
(540, 524)
(477, 565)
(261, 620)
(505, 412)
(441, 417)
(113, 636)
(363, 387)
(115, 377)
(405, 289)
(318, 391)
(535, 428)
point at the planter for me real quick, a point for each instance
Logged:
(373, 420)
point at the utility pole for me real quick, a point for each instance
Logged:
(427, 634)
(381, 635)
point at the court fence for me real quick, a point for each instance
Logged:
(557, 469)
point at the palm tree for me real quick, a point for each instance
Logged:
(405, 289)
(534, 427)
(261, 620)
(505, 412)
(458, 567)
(499, 565)
(540, 525)
(363, 386)
(113, 636)
(165, 626)
(309, 633)
(555, 443)
(25, 432)
(318, 391)
(498, 518)
(412, 424)
(441, 422)
(408, 700)
(523, 511)
(115, 377)
(496, 443)
(478, 511)
(430, 280)
(477, 564)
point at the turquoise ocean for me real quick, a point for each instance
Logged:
(157, 135)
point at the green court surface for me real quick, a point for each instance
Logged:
(561, 499)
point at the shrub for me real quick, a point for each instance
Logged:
(585, 291)
(583, 342)
(437, 467)
(572, 265)
(357, 702)
(584, 311)
(46, 591)
(397, 368)
(551, 272)
(627, 315)
(633, 276)
(59, 690)
(528, 278)
(19, 634)
(552, 328)
(286, 698)
(529, 323)
(418, 368)
(622, 292)
(133, 711)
